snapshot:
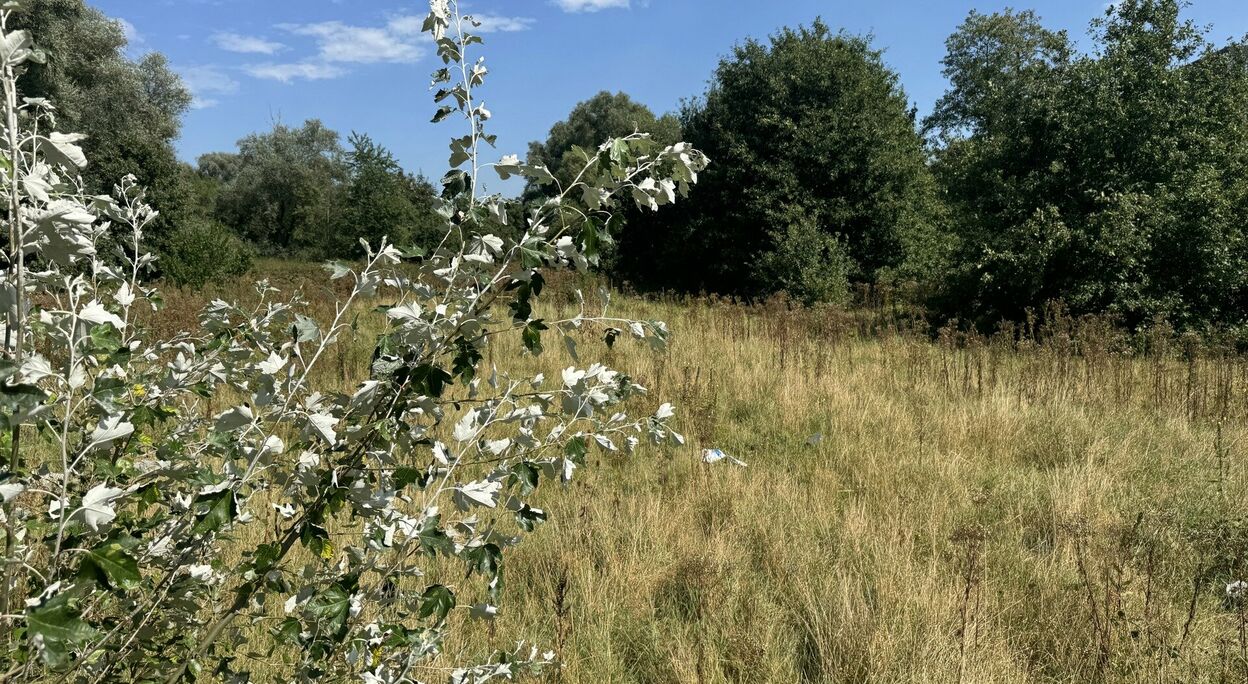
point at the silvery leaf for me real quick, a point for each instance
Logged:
(94, 312)
(97, 506)
(483, 493)
(9, 490)
(322, 424)
(233, 419)
(108, 431)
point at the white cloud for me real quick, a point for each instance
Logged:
(406, 25)
(493, 23)
(136, 43)
(589, 5)
(398, 41)
(410, 25)
(235, 42)
(130, 32)
(311, 71)
(207, 83)
(339, 42)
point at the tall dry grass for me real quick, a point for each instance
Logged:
(1054, 503)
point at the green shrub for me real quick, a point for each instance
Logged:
(810, 264)
(203, 251)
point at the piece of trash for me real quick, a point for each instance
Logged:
(717, 455)
(814, 439)
(1235, 591)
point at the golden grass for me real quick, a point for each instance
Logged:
(975, 512)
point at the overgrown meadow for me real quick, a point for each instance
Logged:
(1058, 503)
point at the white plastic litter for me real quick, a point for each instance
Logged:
(717, 455)
(1235, 591)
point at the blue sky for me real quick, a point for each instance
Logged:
(363, 65)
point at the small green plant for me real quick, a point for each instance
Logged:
(122, 491)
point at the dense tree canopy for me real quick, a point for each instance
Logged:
(817, 177)
(383, 200)
(130, 110)
(296, 191)
(1116, 181)
(280, 192)
(599, 118)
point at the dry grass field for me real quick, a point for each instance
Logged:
(1057, 504)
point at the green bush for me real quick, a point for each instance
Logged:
(204, 251)
(808, 263)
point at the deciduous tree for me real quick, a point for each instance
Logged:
(382, 200)
(129, 109)
(814, 132)
(285, 188)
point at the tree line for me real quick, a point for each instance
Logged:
(1112, 179)
(1115, 180)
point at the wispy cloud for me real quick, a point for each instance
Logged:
(589, 5)
(136, 43)
(493, 23)
(308, 71)
(131, 33)
(339, 42)
(207, 83)
(237, 42)
(410, 24)
(339, 45)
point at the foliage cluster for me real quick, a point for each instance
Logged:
(129, 109)
(296, 191)
(201, 251)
